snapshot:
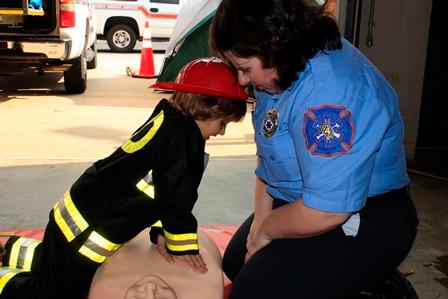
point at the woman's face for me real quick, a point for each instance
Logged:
(251, 70)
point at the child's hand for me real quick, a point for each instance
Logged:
(196, 262)
(162, 249)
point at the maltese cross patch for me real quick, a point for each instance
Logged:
(328, 130)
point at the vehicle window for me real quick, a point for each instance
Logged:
(165, 1)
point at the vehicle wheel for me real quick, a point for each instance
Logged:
(75, 79)
(92, 64)
(121, 38)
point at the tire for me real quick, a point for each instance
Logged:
(92, 64)
(121, 38)
(75, 79)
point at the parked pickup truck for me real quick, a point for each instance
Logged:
(55, 36)
(121, 22)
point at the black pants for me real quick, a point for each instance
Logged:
(58, 271)
(331, 265)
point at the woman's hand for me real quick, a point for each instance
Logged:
(294, 220)
(257, 242)
(263, 207)
(253, 232)
(196, 262)
(253, 228)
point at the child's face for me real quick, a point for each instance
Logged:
(212, 127)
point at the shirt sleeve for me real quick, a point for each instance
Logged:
(336, 144)
(180, 165)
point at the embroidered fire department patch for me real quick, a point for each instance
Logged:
(328, 130)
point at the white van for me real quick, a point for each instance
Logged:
(121, 22)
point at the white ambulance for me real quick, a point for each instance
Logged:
(121, 22)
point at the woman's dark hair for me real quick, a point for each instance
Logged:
(201, 107)
(283, 34)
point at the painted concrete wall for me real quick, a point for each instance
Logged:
(400, 37)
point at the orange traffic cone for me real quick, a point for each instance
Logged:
(147, 69)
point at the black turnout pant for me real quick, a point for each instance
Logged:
(331, 265)
(58, 271)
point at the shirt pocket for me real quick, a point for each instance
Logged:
(278, 157)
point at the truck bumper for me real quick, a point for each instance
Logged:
(40, 55)
(52, 49)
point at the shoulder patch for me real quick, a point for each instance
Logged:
(328, 130)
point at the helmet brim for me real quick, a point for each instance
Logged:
(173, 86)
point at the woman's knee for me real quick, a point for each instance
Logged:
(230, 267)
(233, 259)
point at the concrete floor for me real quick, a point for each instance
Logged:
(33, 177)
(427, 263)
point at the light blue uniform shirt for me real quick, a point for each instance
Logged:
(339, 136)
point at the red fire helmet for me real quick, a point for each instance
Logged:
(208, 76)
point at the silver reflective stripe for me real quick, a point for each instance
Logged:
(22, 252)
(98, 248)
(181, 242)
(6, 274)
(148, 178)
(68, 219)
(146, 185)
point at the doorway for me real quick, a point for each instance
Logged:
(431, 153)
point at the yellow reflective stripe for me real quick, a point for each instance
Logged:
(61, 223)
(68, 218)
(182, 247)
(103, 242)
(146, 188)
(131, 147)
(180, 237)
(22, 252)
(14, 256)
(146, 185)
(157, 224)
(81, 223)
(6, 274)
(92, 254)
(181, 242)
(30, 254)
(97, 248)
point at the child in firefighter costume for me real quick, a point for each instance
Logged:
(150, 181)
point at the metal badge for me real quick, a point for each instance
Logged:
(270, 122)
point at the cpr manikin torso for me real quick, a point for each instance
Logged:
(138, 271)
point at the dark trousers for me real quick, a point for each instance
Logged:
(58, 271)
(331, 265)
